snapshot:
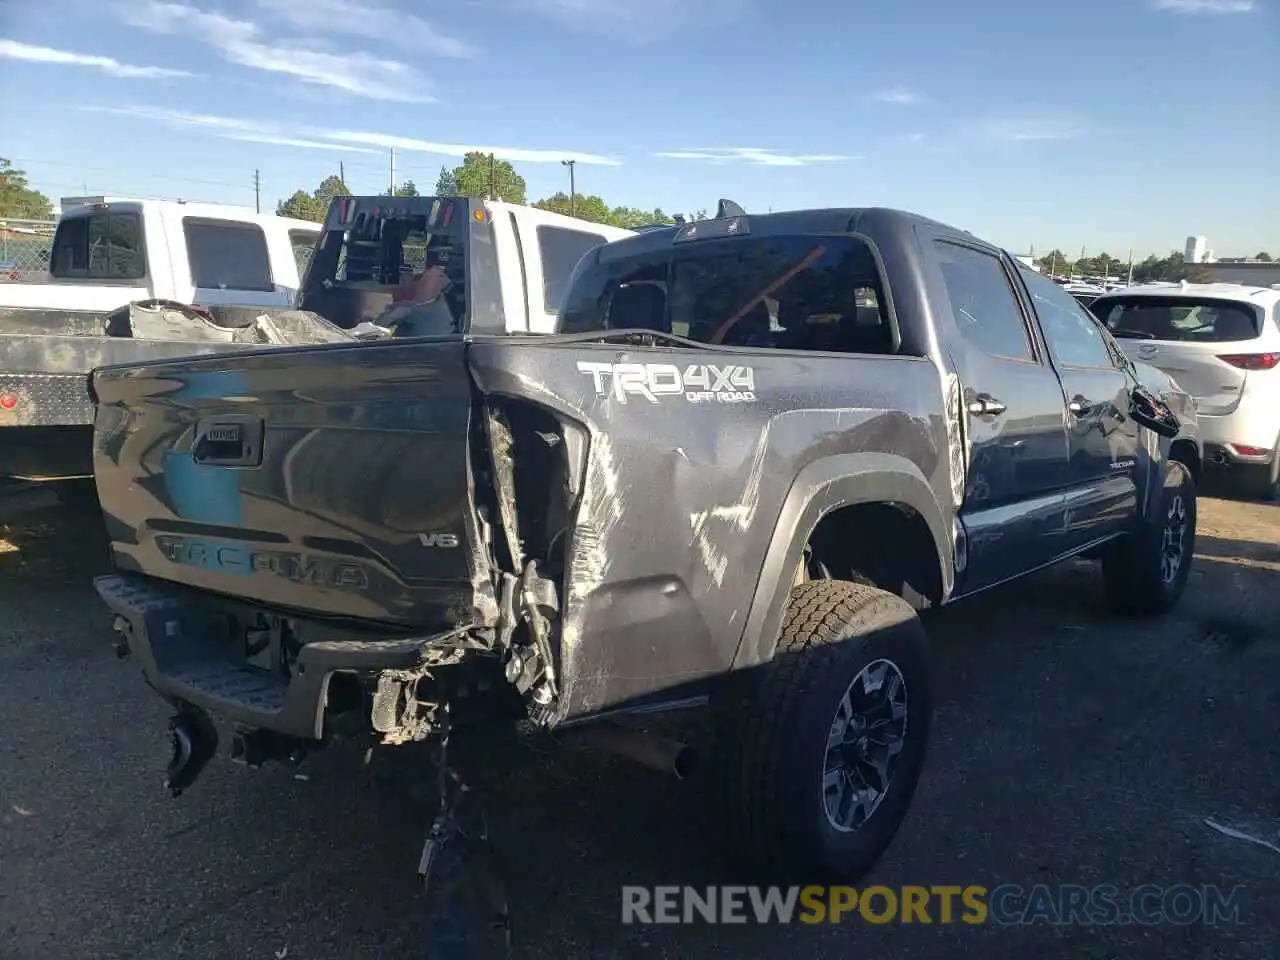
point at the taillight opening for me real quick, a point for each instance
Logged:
(1252, 361)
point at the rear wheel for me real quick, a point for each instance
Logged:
(821, 749)
(1145, 573)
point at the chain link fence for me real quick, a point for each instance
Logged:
(24, 250)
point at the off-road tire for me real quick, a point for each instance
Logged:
(772, 725)
(1132, 572)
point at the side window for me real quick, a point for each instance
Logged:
(303, 243)
(1073, 335)
(984, 303)
(105, 246)
(560, 250)
(224, 254)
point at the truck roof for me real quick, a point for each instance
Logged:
(881, 220)
(84, 206)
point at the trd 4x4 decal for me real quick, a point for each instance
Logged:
(697, 383)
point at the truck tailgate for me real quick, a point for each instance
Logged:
(330, 479)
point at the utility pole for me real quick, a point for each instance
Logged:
(493, 177)
(392, 192)
(573, 190)
(257, 192)
(342, 173)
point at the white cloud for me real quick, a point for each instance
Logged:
(358, 19)
(1206, 6)
(754, 155)
(13, 50)
(1031, 129)
(241, 42)
(516, 154)
(899, 96)
(632, 20)
(254, 131)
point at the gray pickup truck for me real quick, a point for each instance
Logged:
(755, 449)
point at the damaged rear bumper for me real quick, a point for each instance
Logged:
(189, 658)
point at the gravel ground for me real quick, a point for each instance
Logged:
(1069, 748)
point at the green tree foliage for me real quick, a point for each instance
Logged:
(593, 208)
(1170, 268)
(312, 206)
(1264, 257)
(18, 199)
(446, 183)
(407, 189)
(479, 172)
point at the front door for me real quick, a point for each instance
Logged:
(1014, 500)
(1103, 478)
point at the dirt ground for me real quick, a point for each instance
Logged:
(1070, 748)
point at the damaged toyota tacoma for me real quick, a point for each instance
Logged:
(753, 452)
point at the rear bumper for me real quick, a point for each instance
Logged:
(1252, 425)
(187, 657)
(45, 400)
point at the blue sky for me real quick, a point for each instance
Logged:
(1108, 124)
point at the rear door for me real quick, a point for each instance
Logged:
(1014, 501)
(1191, 338)
(1104, 471)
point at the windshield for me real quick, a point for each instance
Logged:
(1178, 319)
(370, 258)
(786, 292)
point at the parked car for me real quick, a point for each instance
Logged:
(754, 449)
(1221, 343)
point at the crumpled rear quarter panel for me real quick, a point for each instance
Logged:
(680, 498)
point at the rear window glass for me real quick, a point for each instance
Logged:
(560, 251)
(785, 292)
(1178, 319)
(303, 243)
(226, 255)
(105, 246)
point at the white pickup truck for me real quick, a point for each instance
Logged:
(110, 251)
(508, 266)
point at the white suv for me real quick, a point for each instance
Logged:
(1221, 343)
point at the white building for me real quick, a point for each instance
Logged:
(1197, 248)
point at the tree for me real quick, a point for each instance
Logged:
(1264, 257)
(18, 199)
(313, 206)
(407, 189)
(446, 183)
(479, 171)
(301, 206)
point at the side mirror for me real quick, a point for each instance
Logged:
(1150, 411)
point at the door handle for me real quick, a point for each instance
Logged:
(985, 405)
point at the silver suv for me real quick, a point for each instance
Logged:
(1221, 343)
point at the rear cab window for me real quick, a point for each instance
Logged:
(787, 292)
(303, 243)
(560, 250)
(1179, 319)
(103, 246)
(227, 255)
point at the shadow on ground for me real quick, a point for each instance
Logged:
(1069, 747)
